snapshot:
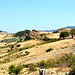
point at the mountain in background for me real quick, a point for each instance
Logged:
(48, 30)
(70, 27)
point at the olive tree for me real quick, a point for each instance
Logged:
(72, 32)
(64, 34)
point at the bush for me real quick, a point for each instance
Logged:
(69, 58)
(27, 38)
(32, 67)
(48, 50)
(27, 52)
(18, 45)
(20, 49)
(9, 50)
(45, 39)
(47, 64)
(42, 64)
(17, 70)
(55, 31)
(27, 65)
(13, 69)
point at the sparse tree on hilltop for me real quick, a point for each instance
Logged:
(72, 32)
(64, 34)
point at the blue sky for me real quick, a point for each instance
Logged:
(16, 15)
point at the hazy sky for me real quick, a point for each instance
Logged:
(16, 15)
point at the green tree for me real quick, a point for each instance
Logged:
(22, 33)
(72, 32)
(64, 34)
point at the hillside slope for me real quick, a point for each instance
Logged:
(38, 53)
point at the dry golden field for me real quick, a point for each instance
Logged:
(37, 51)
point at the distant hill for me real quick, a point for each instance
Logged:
(4, 33)
(64, 29)
(70, 27)
(1, 31)
(49, 30)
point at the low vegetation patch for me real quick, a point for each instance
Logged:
(9, 40)
(15, 70)
(5, 46)
(69, 58)
(32, 67)
(18, 45)
(50, 49)
(50, 63)
(46, 39)
(64, 47)
(27, 52)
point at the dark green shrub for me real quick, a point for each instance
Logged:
(48, 50)
(27, 38)
(9, 50)
(55, 31)
(27, 52)
(18, 45)
(15, 70)
(11, 67)
(20, 49)
(27, 65)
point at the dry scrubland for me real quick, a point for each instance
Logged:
(37, 51)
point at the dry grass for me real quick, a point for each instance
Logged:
(38, 53)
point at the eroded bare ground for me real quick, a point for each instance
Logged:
(39, 53)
